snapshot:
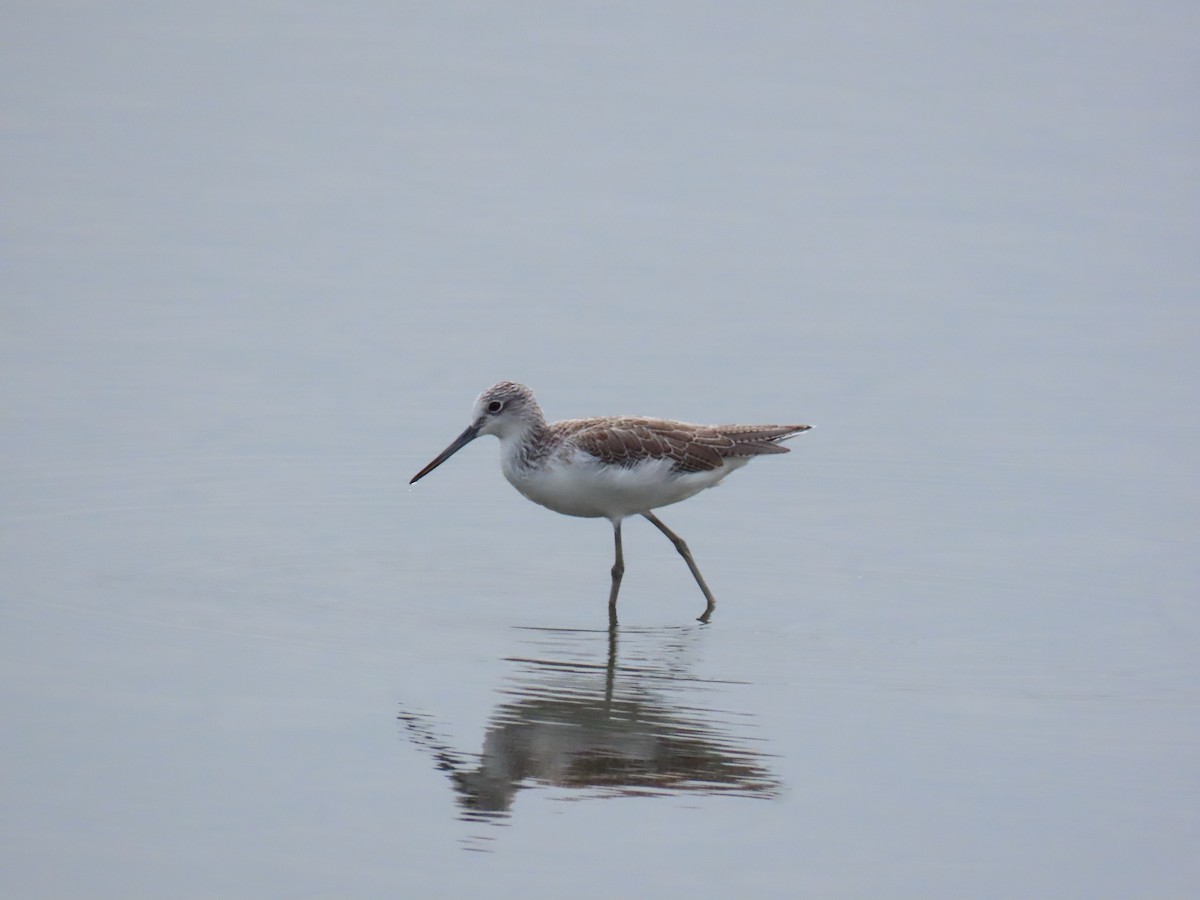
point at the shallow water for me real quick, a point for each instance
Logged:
(256, 270)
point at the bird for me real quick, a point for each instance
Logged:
(612, 467)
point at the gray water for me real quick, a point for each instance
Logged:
(257, 262)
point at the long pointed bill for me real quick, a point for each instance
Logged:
(459, 442)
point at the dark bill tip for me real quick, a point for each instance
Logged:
(459, 442)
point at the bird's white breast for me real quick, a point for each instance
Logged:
(577, 484)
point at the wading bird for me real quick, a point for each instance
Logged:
(614, 466)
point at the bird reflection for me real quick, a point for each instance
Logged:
(596, 728)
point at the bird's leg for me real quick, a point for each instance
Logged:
(687, 558)
(618, 570)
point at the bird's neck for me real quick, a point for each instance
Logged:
(524, 447)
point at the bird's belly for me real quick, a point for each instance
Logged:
(583, 487)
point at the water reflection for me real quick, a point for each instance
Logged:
(573, 717)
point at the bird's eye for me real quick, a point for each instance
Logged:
(495, 406)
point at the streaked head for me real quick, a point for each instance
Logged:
(506, 409)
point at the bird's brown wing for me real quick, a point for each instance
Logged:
(692, 448)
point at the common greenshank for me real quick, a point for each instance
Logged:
(614, 466)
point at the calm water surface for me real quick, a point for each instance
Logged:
(257, 266)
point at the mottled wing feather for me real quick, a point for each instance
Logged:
(693, 448)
